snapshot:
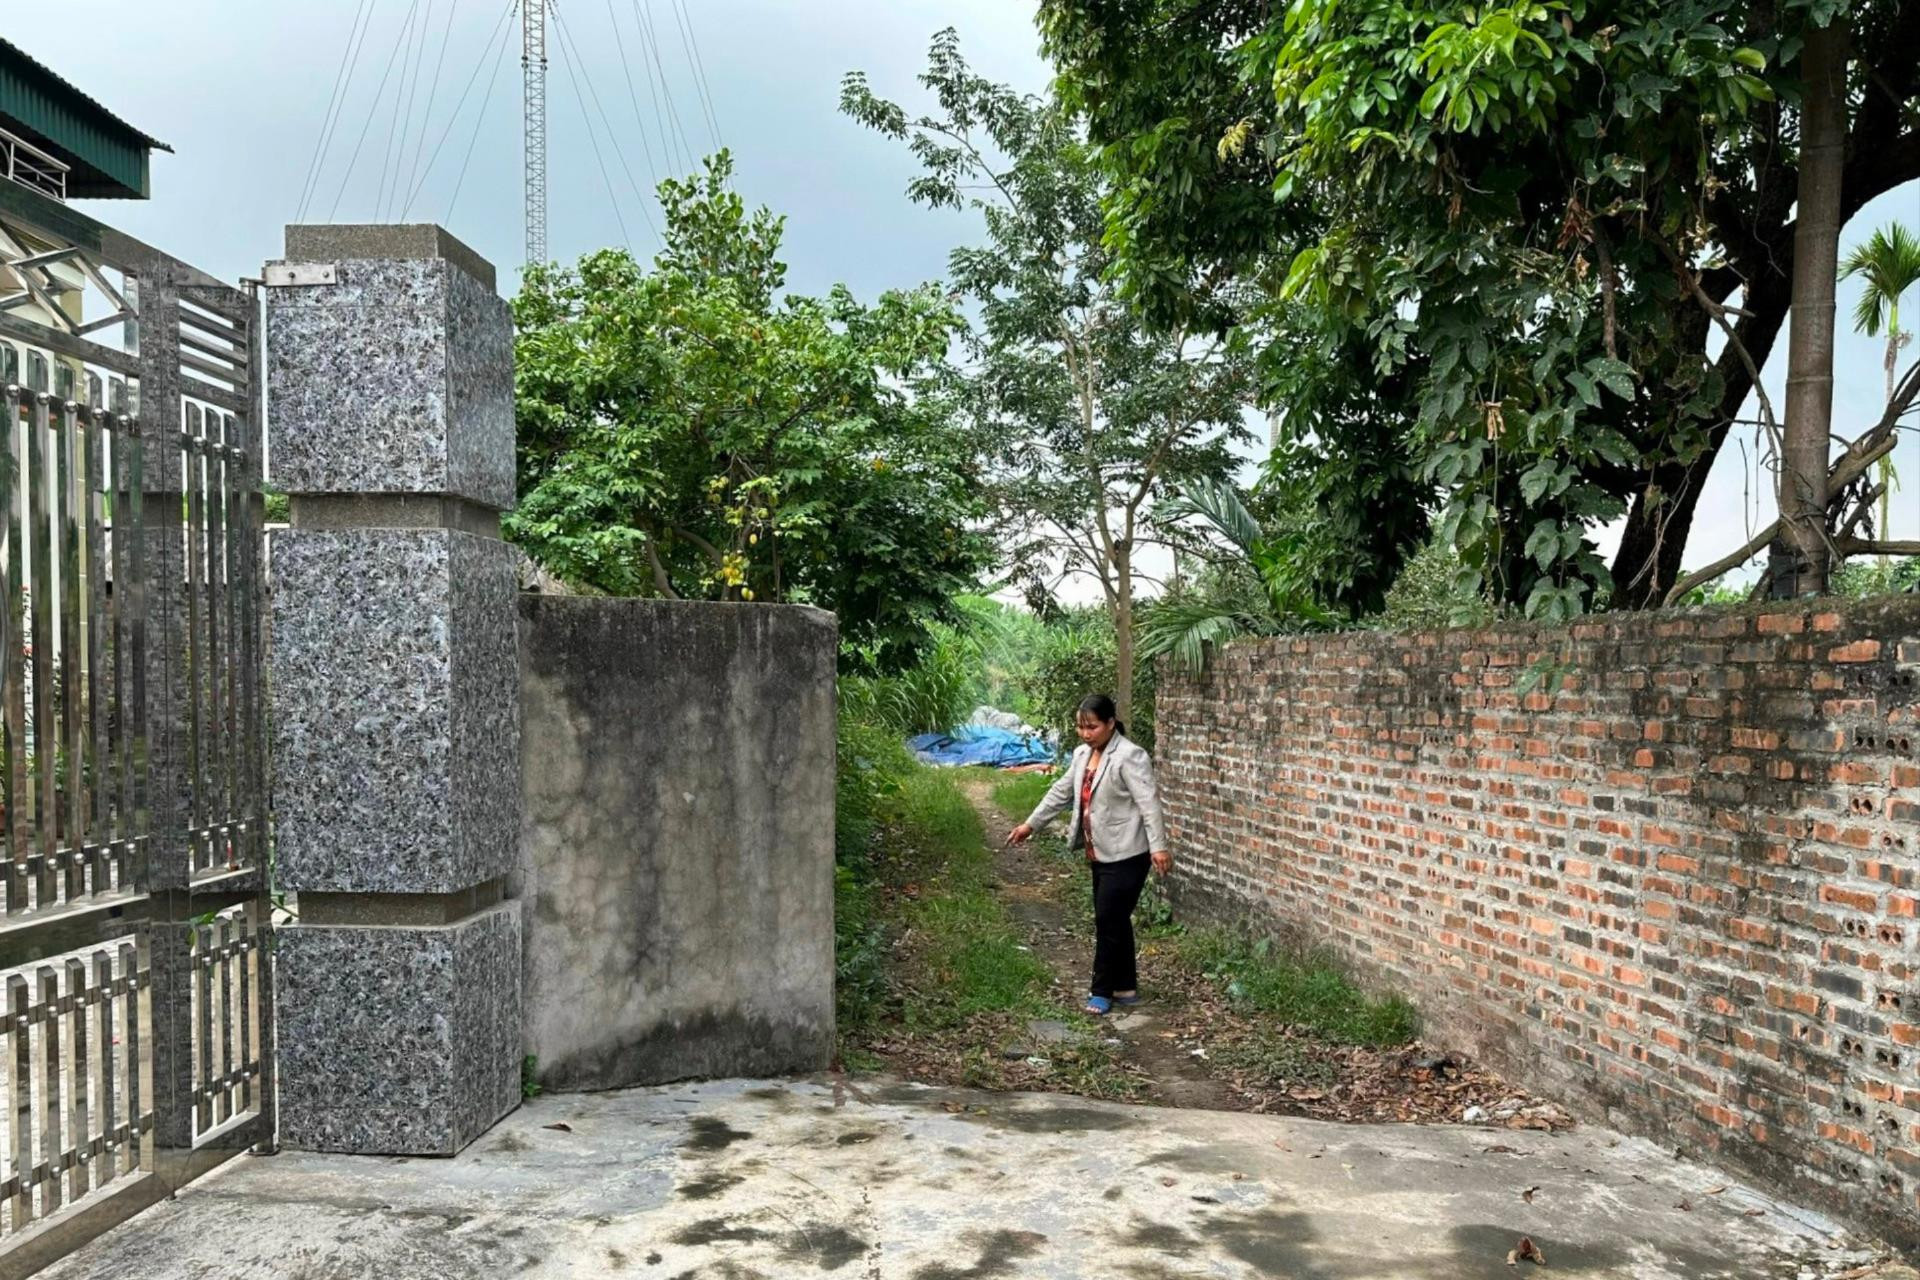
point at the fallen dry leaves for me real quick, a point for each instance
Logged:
(1526, 1251)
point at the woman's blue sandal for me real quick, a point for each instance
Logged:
(1127, 1002)
(1099, 1006)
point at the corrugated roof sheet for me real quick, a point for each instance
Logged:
(13, 52)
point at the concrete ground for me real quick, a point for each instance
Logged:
(872, 1182)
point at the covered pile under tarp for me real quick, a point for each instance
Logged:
(981, 744)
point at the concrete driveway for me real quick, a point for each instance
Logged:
(878, 1182)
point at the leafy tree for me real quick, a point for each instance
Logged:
(1078, 654)
(1558, 231)
(1094, 416)
(686, 431)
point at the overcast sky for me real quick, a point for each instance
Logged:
(241, 92)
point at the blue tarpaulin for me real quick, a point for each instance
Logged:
(980, 744)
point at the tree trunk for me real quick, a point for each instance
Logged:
(1886, 463)
(1802, 558)
(1653, 545)
(1123, 631)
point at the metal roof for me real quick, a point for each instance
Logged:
(109, 156)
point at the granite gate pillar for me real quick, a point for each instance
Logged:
(394, 714)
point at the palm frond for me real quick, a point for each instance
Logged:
(1889, 262)
(1219, 505)
(1184, 629)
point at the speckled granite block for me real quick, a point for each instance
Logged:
(396, 719)
(396, 379)
(398, 1041)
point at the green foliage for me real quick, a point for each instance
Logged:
(968, 946)
(530, 1077)
(1341, 495)
(981, 661)
(1093, 416)
(931, 696)
(1428, 595)
(1017, 793)
(898, 821)
(1077, 657)
(1478, 238)
(687, 431)
(1862, 577)
(1719, 594)
(1297, 988)
(1007, 639)
(1888, 264)
(1184, 625)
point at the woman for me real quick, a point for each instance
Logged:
(1117, 820)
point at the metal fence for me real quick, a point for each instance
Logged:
(136, 1031)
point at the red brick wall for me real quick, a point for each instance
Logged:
(1680, 894)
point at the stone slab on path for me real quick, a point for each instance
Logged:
(877, 1181)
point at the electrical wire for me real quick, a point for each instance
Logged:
(396, 127)
(433, 157)
(413, 94)
(667, 158)
(666, 86)
(580, 100)
(697, 65)
(633, 96)
(373, 110)
(433, 93)
(613, 140)
(336, 102)
(485, 101)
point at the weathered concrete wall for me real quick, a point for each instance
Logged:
(677, 844)
(1683, 889)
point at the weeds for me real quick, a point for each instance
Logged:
(1296, 989)
(967, 947)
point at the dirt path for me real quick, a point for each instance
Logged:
(1188, 1045)
(1147, 1039)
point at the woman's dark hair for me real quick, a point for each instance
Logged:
(1100, 706)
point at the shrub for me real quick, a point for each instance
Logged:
(1077, 657)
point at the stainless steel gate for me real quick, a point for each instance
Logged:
(136, 1020)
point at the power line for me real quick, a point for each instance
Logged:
(666, 86)
(486, 100)
(406, 119)
(633, 95)
(433, 92)
(396, 129)
(349, 62)
(691, 46)
(613, 140)
(592, 137)
(378, 94)
(667, 158)
(433, 157)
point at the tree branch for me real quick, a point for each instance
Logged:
(1860, 455)
(661, 581)
(1878, 547)
(714, 553)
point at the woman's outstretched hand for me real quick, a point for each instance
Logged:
(1162, 861)
(1020, 834)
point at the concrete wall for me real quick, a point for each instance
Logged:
(1683, 891)
(677, 844)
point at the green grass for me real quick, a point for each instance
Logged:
(1297, 989)
(1017, 793)
(970, 949)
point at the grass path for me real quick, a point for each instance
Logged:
(985, 969)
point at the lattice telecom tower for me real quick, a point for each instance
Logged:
(533, 66)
